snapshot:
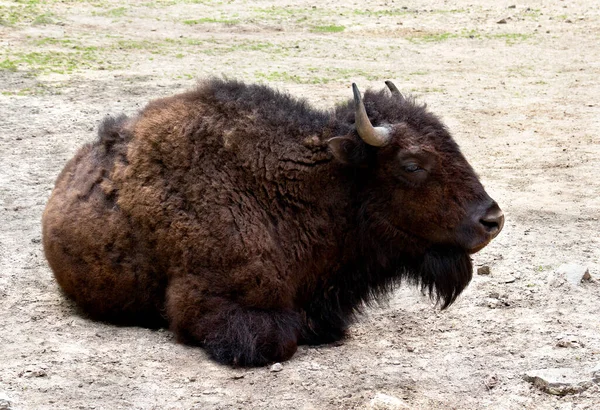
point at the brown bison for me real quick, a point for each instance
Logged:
(250, 222)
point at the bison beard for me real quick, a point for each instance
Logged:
(251, 223)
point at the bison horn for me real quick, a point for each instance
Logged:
(375, 136)
(393, 89)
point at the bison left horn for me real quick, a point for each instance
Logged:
(375, 136)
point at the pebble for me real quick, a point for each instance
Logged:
(5, 402)
(33, 372)
(385, 402)
(483, 270)
(491, 381)
(596, 373)
(558, 381)
(574, 273)
(277, 367)
(503, 21)
(569, 341)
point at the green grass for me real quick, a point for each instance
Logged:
(510, 38)
(116, 12)
(25, 12)
(277, 12)
(43, 19)
(534, 13)
(284, 76)
(210, 20)
(432, 37)
(54, 61)
(151, 46)
(324, 75)
(8, 65)
(328, 29)
(390, 12)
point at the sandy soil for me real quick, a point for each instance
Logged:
(521, 98)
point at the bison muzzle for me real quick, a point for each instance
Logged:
(249, 222)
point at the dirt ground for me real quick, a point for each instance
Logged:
(516, 81)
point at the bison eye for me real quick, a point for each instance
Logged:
(412, 167)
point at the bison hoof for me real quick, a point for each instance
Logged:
(250, 337)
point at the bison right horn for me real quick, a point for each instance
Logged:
(395, 91)
(375, 136)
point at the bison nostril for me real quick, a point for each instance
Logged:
(493, 221)
(490, 225)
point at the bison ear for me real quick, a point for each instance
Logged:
(348, 150)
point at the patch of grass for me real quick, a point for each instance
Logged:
(135, 44)
(284, 76)
(285, 12)
(403, 12)
(43, 19)
(432, 37)
(390, 12)
(26, 12)
(511, 38)
(328, 29)
(427, 90)
(63, 42)
(56, 61)
(116, 12)
(153, 47)
(211, 20)
(38, 89)
(8, 65)
(216, 47)
(529, 12)
(337, 73)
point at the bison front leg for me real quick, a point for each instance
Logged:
(230, 332)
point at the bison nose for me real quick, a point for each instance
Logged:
(493, 220)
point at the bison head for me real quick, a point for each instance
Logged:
(418, 195)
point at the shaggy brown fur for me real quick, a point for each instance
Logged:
(231, 213)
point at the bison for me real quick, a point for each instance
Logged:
(250, 222)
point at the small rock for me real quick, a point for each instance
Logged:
(512, 6)
(574, 273)
(503, 21)
(29, 373)
(596, 373)
(483, 270)
(569, 341)
(277, 367)
(491, 381)
(385, 402)
(5, 402)
(493, 303)
(558, 381)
